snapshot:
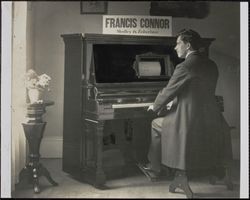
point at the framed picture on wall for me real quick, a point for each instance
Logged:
(94, 7)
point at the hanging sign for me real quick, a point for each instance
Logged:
(137, 25)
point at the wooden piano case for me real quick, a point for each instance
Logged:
(106, 127)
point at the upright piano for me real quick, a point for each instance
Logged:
(109, 82)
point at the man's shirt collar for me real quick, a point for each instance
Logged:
(190, 52)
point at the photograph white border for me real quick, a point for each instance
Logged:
(244, 155)
(6, 101)
(6, 43)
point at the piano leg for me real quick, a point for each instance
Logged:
(100, 177)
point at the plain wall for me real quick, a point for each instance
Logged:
(51, 19)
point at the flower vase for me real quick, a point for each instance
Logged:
(35, 95)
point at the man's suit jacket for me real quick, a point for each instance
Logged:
(195, 134)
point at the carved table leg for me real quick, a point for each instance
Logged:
(44, 172)
(33, 170)
(25, 173)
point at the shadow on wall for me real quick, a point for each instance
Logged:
(228, 86)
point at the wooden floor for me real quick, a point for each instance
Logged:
(134, 186)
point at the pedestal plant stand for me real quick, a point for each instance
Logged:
(34, 129)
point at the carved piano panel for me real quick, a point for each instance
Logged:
(109, 84)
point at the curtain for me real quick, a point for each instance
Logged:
(21, 59)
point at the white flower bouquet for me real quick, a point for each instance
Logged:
(36, 85)
(33, 81)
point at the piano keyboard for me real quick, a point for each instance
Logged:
(131, 105)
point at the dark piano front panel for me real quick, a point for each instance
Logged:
(105, 104)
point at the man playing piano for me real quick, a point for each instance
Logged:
(193, 135)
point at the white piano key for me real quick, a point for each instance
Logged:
(131, 105)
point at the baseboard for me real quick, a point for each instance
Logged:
(51, 147)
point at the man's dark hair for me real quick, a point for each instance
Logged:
(191, 36)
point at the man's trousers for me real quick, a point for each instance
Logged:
(154, 154)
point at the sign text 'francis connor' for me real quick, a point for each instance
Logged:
(133, 23)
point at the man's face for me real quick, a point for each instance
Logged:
(181, 48)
